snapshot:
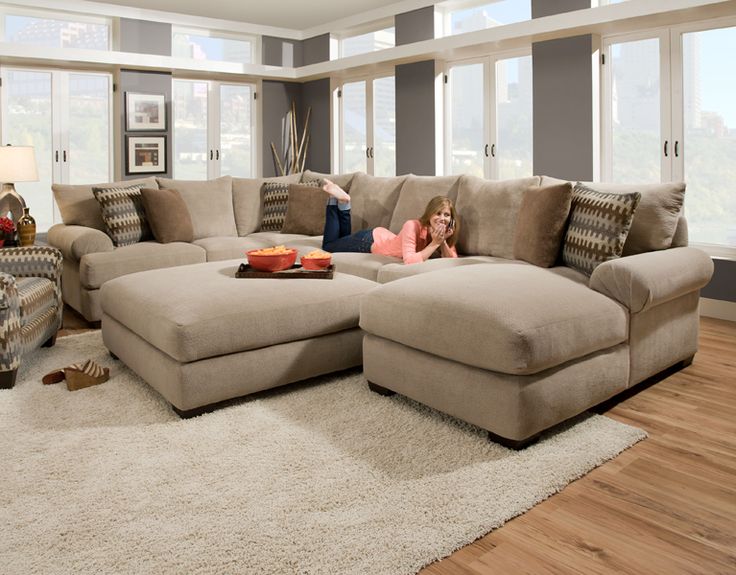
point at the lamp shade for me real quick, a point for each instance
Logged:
(17, 164)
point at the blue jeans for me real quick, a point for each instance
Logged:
(337, 236)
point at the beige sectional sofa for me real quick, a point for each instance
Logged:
(497, 341)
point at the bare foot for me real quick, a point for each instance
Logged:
(336, 191)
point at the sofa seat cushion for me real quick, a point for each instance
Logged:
(366, 266)
(398, 270)
(511, 318)
(229, 248)
(36, 296)
(95, 269)
(202, 311)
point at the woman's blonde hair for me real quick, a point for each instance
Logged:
(434, 206)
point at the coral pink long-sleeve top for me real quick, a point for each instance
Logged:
(412, 239)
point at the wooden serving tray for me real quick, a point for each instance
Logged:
(294, 272)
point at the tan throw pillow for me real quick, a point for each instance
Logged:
(342, 180)
(305, 211)
(78, 206)
(168, 215)
(373, 200)
(275, 204)
(489, 210)
(541, 224)
(599, 224)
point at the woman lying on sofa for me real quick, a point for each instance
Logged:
(417, 241)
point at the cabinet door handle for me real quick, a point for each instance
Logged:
(64, 155)
(217, 154)
(211, 154)
(485, 150)
(493, 150)
(56, 155)
(666, 148)
(677, 149)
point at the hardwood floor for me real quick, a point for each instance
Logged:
(665, 506)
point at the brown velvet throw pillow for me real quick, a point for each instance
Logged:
(305, 213)
(168, 215)
(541, 224)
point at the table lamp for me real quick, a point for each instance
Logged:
(17, 164)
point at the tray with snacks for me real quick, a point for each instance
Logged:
(294, 272)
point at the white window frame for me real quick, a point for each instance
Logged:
(672, 104)
(60, 121)
(337, 114)
(490, 123)
(17, 10)
(444, 11)
(213, 125)
(221, 35)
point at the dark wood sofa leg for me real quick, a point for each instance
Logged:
(687, 362)
(7, 379)
(50, 342)
(515, 444)
(112, 355)
(380, 390)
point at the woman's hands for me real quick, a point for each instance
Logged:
(440, 234)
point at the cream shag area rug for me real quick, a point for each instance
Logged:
(321, 477)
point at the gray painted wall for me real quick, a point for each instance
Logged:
(145, 83)
(414, 26)
(317, 95)
(723, 284)
(281, 52)
(142, 37)
(316, 49)
(563, 108)
(542, 8)
(415, 115)
(275, 105)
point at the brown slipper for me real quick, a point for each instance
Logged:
(89, 373)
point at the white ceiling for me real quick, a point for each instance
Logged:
(294, 14)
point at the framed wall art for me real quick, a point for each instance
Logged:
(145, 154)
(145, 112)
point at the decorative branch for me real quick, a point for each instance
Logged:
(295, 152)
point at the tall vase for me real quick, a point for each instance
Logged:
(26, 227)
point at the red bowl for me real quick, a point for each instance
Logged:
(315, 263)
(273, 262)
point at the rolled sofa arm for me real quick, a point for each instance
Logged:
(644, 280)
(77, 241)
(10, 343)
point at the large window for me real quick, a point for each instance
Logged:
(207, 45)
(66, 117)
(368, 42)
(461, 17)
(213, 129)
(489, 117)
(367, 120)
(41, 29)
(670, 115)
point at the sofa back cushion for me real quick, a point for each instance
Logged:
(342, 180)
(488, 210)
(657, 217)
(373, 200)
(541, 224)
(248, 201)
(210, 204)
(78, 206)
(415, 195)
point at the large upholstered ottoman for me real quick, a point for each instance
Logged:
(512, 348)
(200, 336)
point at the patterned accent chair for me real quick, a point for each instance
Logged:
(30, 304)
